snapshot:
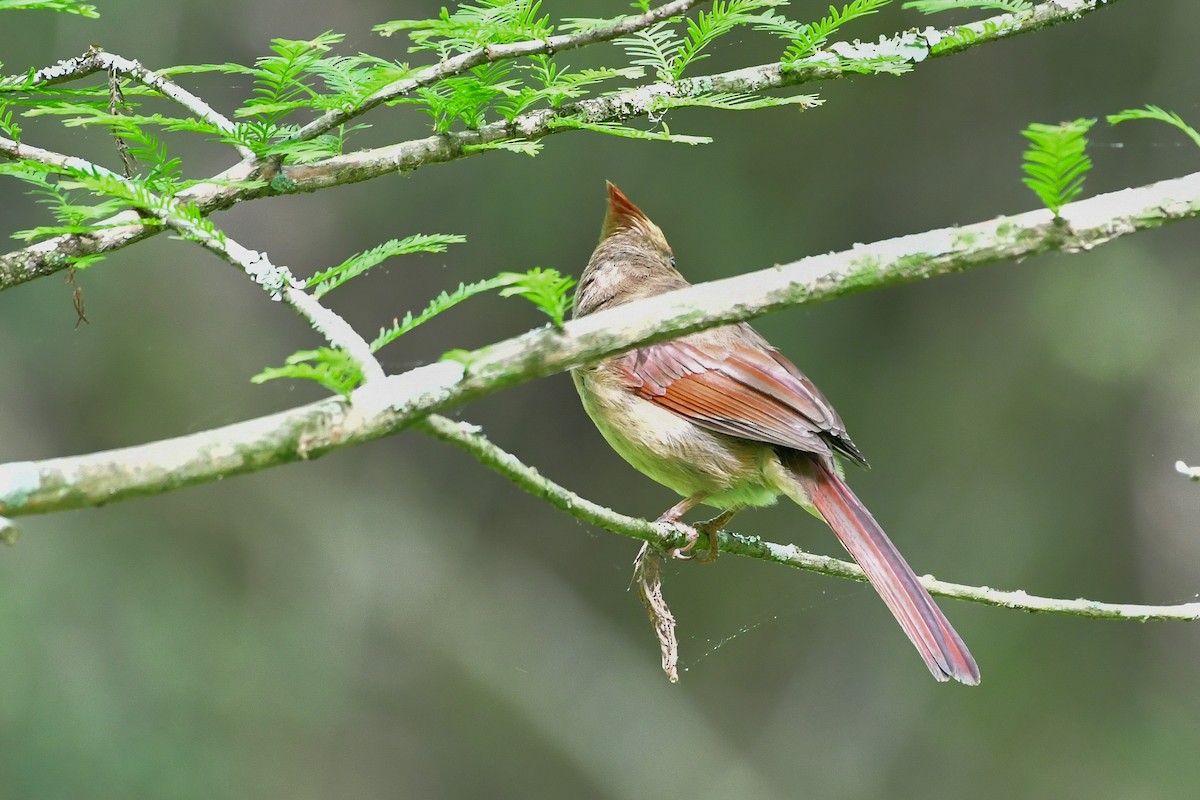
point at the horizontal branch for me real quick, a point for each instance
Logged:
(97, 60)
(467, 436)
(59, 252)
(391, 404)
(278, 281)
(643, 101)
(459, 64)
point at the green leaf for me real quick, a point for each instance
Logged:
(324, 282)
(1056, 161)
(333, 369)
(523, 146)
(473, 26)
(439, 304)
(280, 86)
(655, 47)
(8, 125)
(936, 6)
(547, 289)
(1156, 113)
(616, 129)
(735, 101)
(65, 6)
(557, 84)
(805, 38)
(465, 97)
(706, 28)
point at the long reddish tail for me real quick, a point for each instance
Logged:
(937, 642)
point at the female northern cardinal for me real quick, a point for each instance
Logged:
(725, 420)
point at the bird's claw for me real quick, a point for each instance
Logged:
(693, 536)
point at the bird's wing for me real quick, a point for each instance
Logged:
(740, 386)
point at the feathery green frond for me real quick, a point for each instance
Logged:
(937, 6)
(64, 6)
(465, 97)
(547, 289)
(709, 26)
(735, 101)
(71, 215)
(805, 38)
(617, 129)
(655, 47)
(443, 301)
(280, 85)
(333, 369)
(1156, 113)
(555, 84)
(324, 282)
(9, 126)
(471, 27)
(525, 147)
(1056, 161)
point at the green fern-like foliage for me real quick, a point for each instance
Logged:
(442, 302)
(1153, 112)
(9, 126)
(668, 52)
(333, 369)
(298, 80)
(1056, 161)
(328, 280)
(62, 6)
(470, 27)
(547, 289)
(805, 38)
(937, 6)
(70, 213)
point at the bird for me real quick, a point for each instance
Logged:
(723, 419)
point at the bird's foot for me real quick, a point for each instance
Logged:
(711, 529)
(691, 534)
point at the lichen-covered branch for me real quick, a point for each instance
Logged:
(468, 437)
(276, 280)
(393, 403)
(459, 64)
(97, 60)
(228, 188)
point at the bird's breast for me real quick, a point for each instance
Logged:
(672, 450)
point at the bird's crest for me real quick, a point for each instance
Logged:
(623, 215)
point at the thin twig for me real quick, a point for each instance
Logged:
(398, 401)
(277, 280)
(492, 53)
(97, 60)
(57, 253)
(656, 535)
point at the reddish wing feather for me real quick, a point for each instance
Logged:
(744, 390)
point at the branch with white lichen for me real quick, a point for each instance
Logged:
(251, 178)
(277, 280)
(97, 60)
(463, 62)
(388, 405)
(665, 537)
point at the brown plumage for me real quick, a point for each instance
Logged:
(722, 418)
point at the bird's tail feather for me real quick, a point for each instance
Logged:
(937, 642)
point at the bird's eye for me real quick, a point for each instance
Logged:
(671, 259)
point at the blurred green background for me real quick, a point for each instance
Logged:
(394, 620)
